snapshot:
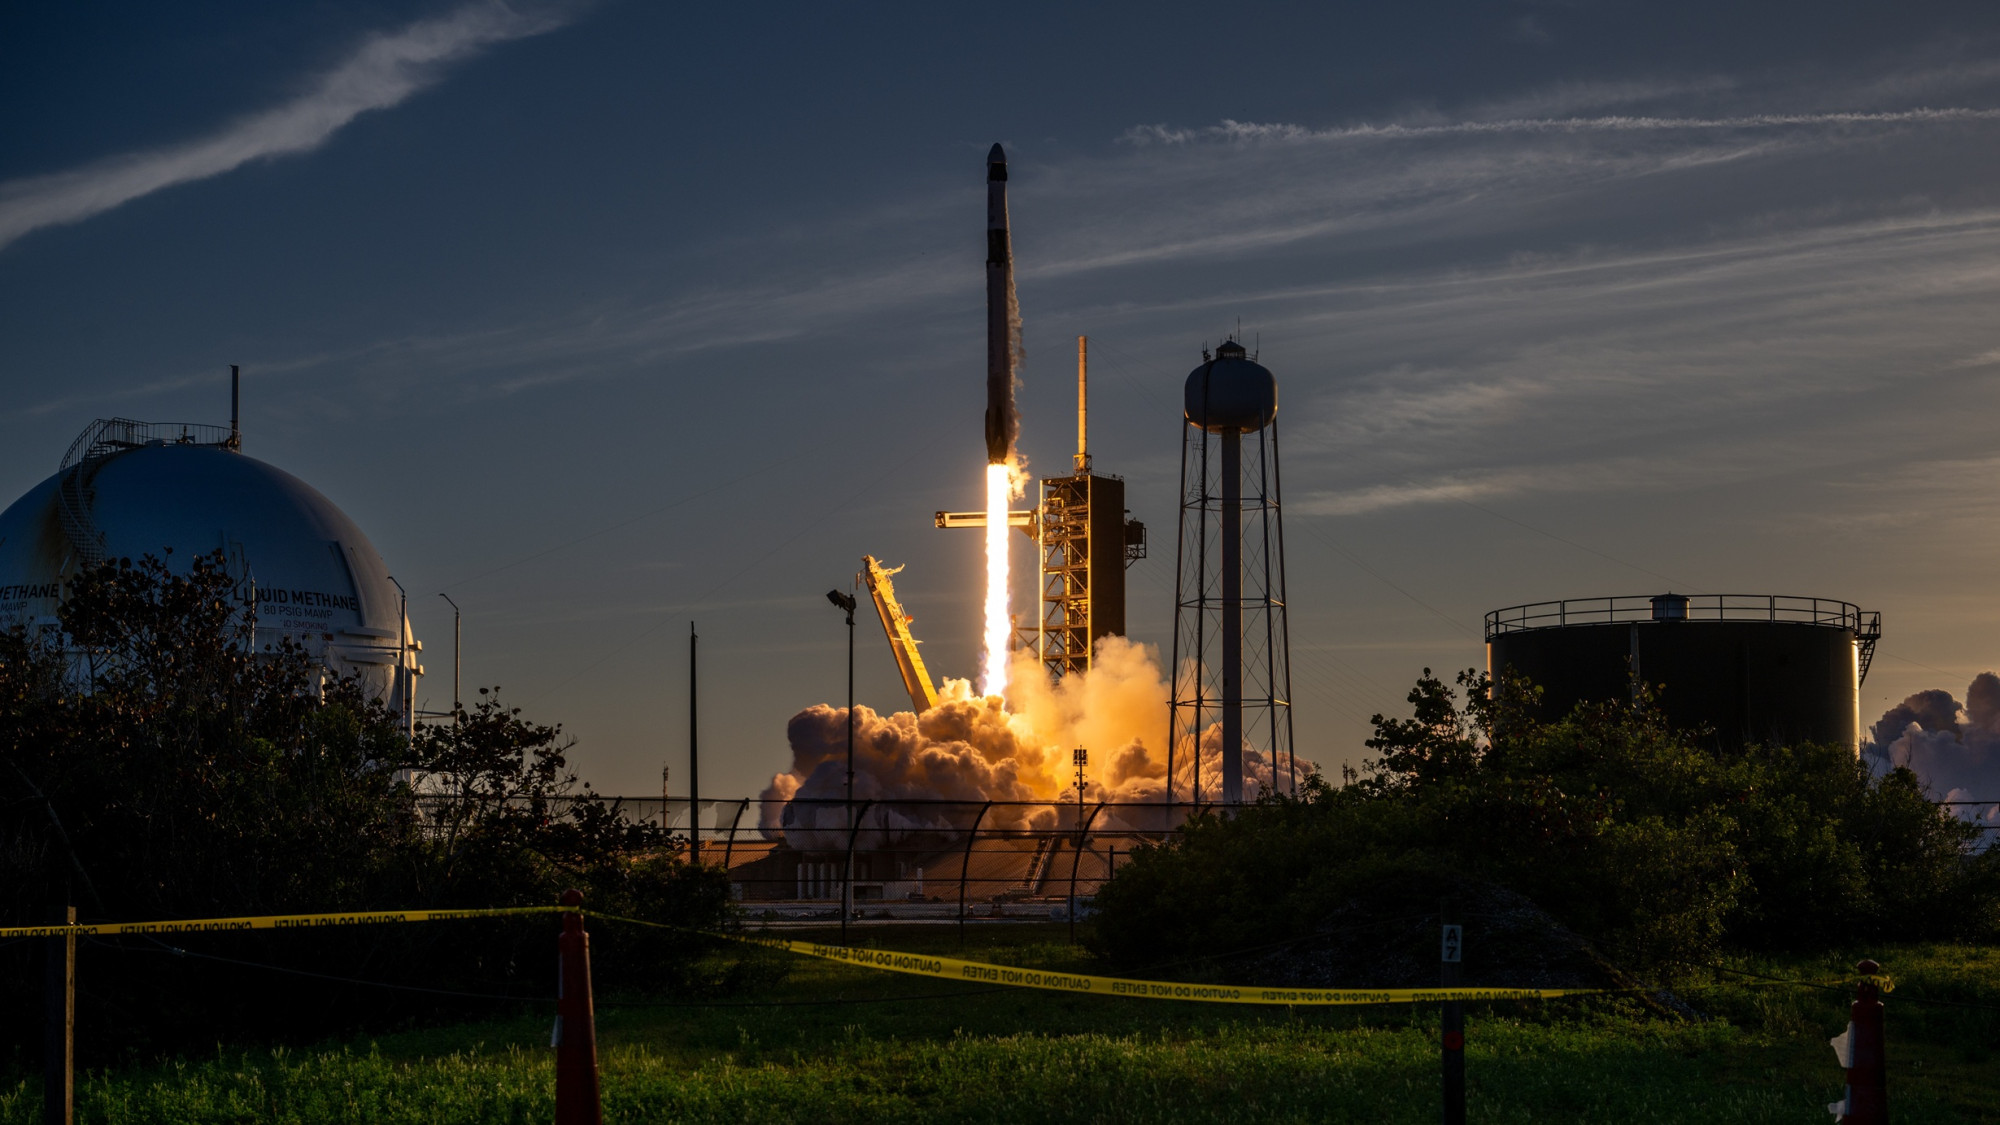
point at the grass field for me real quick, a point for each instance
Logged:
(824, 1042)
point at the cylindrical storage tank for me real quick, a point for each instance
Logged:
(130, 489)
(1742, 669)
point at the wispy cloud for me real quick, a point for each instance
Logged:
(1231, 131)
(1442, 309)
(383, 71)
(1570, 99)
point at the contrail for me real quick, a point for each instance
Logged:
(383, 71)
(1231, 130)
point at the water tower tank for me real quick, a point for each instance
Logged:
(129, 489)
(1759, 668)
(1231, 392)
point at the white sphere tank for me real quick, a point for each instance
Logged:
(130, 489)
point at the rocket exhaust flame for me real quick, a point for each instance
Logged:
(999, 623)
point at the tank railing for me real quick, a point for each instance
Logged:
(106, 436)
(1831, 612)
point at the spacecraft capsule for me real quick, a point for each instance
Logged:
(1002, 342)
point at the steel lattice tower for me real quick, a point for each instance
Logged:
(1231, 660)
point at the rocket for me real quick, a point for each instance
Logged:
(1003, 339)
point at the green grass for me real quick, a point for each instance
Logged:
(926, 1050)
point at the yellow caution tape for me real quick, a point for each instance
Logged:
(928, 965)
(980, 972)
(271, 922)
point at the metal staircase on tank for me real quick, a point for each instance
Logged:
(1867, 630)
(98, 441)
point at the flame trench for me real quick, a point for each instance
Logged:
(999, 623)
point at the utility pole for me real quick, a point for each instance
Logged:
(694, 757)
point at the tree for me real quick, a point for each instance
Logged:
(154, 764)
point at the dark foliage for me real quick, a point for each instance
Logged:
(1625, 831)
(154, 766)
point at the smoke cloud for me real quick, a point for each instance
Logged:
(1954, 749)
(973, 749)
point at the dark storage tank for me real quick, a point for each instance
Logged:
(1761, 668)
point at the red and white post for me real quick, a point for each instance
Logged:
(575, 1040)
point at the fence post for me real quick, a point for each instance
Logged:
(577, 1101)
(1451, 948)
(1862, 1051)
(965, 869)
(59, 1042)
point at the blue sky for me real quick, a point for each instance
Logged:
(602, 317)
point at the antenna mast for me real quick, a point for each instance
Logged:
(235, 401)
(1082, 405)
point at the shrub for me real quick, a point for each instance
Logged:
(1626, 831)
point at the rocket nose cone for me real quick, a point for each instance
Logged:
(996, 166)
(996, 155)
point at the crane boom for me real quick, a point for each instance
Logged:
(896, 624)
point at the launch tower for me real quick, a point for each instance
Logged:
(1232, 665)
(1085, 539)
(1086, 544)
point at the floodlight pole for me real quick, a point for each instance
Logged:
(846, 603)
(457, 665)
(404, 680)
(1082, 759)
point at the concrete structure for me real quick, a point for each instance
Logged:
(129, 489)
(1762, 668)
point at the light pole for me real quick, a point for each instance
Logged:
(405, 683)
(846, 603)
(1082, 759)
(456, 664)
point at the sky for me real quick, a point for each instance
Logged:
(606, 318)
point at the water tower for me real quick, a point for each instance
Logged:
(1231, 661)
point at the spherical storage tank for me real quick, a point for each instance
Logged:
(1760, 668)
(129, 489)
